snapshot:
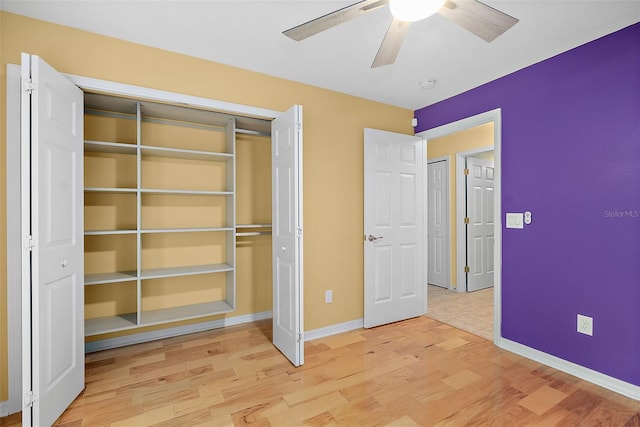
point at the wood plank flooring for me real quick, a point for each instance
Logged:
(417, 372)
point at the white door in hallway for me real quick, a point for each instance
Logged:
(480, 230)
(53, 269)
(438, 223)
(394, 263)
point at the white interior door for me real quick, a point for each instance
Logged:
(438, 223)
(394, 279)
(54, 133)
(286, 151)
(480, 230)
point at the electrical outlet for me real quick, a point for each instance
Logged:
(328, 296)
(585, 325)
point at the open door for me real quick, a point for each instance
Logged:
(480, 228)
(394, 262)
(438, 223)
(286, 153)
(53, 261)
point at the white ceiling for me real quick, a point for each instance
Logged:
(248, 34)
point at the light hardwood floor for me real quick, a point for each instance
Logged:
(416, 372)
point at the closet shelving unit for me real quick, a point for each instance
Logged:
(166, 250)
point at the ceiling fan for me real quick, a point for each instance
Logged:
(478, 18)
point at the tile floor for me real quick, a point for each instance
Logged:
(469, 311)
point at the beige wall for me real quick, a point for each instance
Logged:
(333, 163)
(447, 146)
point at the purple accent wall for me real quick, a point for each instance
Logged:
(570, 155)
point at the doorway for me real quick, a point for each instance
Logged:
(490, 123)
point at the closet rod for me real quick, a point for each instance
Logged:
(252, 132)
(253, 233)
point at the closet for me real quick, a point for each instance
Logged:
(130, 217)
(160, 213)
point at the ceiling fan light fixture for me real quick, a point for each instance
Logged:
(414, 10)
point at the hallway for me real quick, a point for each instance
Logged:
(469, 311)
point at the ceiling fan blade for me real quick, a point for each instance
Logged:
(390, 46)
(332, 19)
(482, 20)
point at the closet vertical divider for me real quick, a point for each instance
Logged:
(230, 202)
(138, 214)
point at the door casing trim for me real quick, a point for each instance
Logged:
(494, 116)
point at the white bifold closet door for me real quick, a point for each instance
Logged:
(286, 149)
(52, 166)
(52, 229)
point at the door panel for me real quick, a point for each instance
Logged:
(438, 223)
(408, 271)
(480, 231)
(393, 218)
(55, 171)
(286, 140)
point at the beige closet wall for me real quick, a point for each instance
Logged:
(333, 162)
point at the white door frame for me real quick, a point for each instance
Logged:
(461, 241)
(14, 245)
(494, 116)
(447, 202)
(14, 291)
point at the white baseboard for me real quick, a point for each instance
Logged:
(333, 329)
(4, 408)
(172, 332)
(598, 378)
(109, 343)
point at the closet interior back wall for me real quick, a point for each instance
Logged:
(160, 223)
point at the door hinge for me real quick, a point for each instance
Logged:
(29, 399)
(467, 269)
(29, 244)
(466, 171)
(300, 337)
(28, 86)
(298, 231)
(466, 220)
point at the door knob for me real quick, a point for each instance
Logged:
(373, 238)
(64, 263)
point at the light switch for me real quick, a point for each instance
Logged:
(515, 220)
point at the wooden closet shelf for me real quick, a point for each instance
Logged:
(110, 190)
(117, 276)
(185, 312)
(185, 230)
(103, 325)
(110, 147)
(107, 232)
(185, 192)
(179, 153)
(155, 273)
